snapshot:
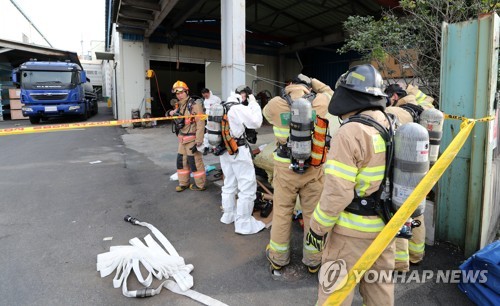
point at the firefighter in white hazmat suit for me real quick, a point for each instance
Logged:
(238, 169)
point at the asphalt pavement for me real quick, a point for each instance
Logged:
(63, 196)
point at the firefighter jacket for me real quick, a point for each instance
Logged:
(355, 165)
(241, 116)
(277, 111)
(194, 127)
(402, 115)
(420, 98)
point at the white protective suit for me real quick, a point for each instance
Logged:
(207, 104)
(239, 172)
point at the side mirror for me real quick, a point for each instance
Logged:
(83, 77)
(15, 78)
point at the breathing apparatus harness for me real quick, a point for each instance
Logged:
(414, 110)
(180, 123)
(319, 138)
(228, 142)
(379, 203)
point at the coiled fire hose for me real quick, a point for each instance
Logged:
(161, 261)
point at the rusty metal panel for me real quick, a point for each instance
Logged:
(468, 89)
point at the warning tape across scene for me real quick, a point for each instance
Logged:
(405, 211)
(71, 126)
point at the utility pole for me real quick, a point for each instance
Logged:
(32, 24)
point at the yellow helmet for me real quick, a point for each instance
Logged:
(179, 85)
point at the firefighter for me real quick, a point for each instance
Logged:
(190, 132)
(238, 169)
(403, 107)
(344, 222)
(287, 183)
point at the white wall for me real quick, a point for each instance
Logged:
(267, 66)
(131, 76)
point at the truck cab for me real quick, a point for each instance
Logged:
(53, 89)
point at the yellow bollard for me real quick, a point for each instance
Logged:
(109, 102)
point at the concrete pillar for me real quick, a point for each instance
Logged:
(233, 45)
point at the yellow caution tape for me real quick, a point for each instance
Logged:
(448, 116)
(385, 237)
(70, 126)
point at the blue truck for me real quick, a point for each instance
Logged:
(54, 89)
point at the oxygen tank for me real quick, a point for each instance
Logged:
(411, 163)
(432, 119)
(300, 130)
(214, 127)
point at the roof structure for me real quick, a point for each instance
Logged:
(273, 26)
(17, 53)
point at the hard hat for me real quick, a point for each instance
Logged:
(243, 88)
(363, 78)
(179, 85)
(302, 79)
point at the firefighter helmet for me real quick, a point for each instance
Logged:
(357, 89)
(365, 79)
(179, 85)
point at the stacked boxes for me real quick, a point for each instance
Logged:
(15, 104)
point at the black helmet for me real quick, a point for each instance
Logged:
(363, 78)
(243, 88)
(395, 88)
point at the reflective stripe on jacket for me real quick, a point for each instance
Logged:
(356, 164)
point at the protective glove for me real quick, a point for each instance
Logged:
(315, 240)
(251, 98)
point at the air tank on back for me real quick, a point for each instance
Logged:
(301, 124)
(300, 129)
(411, 163)
(432, 119)
(214, 134)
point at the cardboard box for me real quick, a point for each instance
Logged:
(17, 114)
(16, 104)
(15, 93)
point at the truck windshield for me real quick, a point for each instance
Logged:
(48, 79)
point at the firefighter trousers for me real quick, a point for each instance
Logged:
(287, 185)
(412, 250)
(346, 250)
(189, 162)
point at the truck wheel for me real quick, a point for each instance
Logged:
(34, 120)
(85, 115)
(95, 108)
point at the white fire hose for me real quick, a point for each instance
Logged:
(159, 262)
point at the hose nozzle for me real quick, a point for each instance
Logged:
(145, 292)
(130, 219)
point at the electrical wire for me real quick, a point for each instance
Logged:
(159, 95)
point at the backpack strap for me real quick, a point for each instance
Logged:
(382, 196)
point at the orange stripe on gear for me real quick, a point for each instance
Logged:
(200, 173)
(183, 172)
(318, 146)
(229, 142)
(188, 138)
